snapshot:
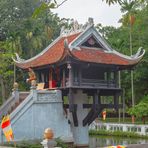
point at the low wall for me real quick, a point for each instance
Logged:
(140, 129)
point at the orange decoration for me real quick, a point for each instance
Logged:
(104, 115)
(48, 133)
(32, 75)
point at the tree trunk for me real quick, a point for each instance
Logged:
(2, 89)
(143, 119)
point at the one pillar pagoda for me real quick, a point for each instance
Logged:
(85, 68)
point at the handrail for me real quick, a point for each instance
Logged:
(97, 81)
(5, 107)
(10, 102)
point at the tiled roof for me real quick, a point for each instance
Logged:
(56, 52)
(99, 56)
(52, 55)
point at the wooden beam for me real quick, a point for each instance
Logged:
(95, 109)
(69, 66)
(72, 107)
(103, 106)
(87, 118)
(74, 115)
(70, 98)
(116, 78)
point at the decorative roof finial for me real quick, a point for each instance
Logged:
(17, 58)
(66, 43)
(76, 27)
(90, 21)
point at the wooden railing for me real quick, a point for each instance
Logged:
(96, 83)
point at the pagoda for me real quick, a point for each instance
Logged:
(84, 67)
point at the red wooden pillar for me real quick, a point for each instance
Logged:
(50, 77)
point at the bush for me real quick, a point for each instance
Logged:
(60, 143)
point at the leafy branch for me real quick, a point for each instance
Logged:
(46, 6)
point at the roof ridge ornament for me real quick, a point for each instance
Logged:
(18, 58)
(90, 21)
(76, 27)
(139, 52)
(66, 43)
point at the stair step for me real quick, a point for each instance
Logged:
(22, 97)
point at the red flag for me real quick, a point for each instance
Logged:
(6, 127)
(104, 114)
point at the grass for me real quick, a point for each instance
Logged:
(116, 133)
(34, 144)
(127, 120)
(24, 144)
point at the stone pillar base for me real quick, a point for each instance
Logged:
(80, 132)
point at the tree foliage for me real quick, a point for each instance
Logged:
(122, 1)
(119, 40)
(141, 109)
(28, 26)
(21, 33)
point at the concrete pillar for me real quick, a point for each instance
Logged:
(124, 128)
(16, 95)
(107, 127)
(80, 133)
(33, 89)
(15, 92)
(143, 130)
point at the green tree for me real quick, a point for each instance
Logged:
(120, 1)
(21, 33)
(119, 40)
(6, 70)
(140, 110)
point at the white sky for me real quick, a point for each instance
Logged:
(81, 10)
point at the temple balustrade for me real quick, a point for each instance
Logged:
(139, 129)
(95, 83)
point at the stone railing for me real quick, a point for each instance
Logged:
(5, 107)
(140, 129)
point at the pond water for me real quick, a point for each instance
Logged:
(102, 141)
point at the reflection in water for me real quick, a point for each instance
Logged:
(102, 141)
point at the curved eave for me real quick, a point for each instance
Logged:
(50, 55)
(133, 59)
(110, 58)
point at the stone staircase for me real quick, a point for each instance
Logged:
(13, 102)
(22, 96)
(32, 112)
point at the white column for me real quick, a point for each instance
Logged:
(80, 133)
